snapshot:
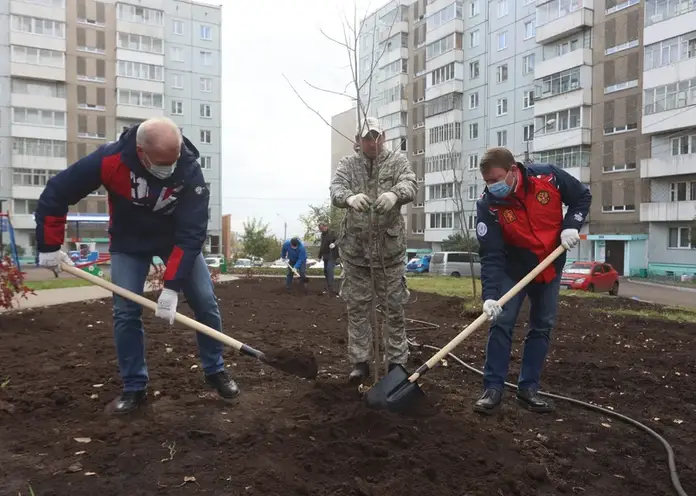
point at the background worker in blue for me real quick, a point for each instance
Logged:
(296, 254)
(519, 223)
(158, 204)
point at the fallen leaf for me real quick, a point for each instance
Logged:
(90, 473)
(83, 440)
(590, 450)
(189, 478)
(80, 453)
(606, 425)
(97, 385)
(94, 396)
(677, 421)
(194, 367)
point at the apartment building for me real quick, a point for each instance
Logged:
(74, 75)
(343, 128)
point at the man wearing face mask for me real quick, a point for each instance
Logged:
(158, 206)
(373, 184)
(519, 223)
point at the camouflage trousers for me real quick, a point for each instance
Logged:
(356, 290)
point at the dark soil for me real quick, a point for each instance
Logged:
(294, 362)
(287, 436)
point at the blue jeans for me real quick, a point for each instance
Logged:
(543, 300)
(329, 266)
(303, 273)
(130, 271)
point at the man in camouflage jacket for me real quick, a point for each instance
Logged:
(373, 184)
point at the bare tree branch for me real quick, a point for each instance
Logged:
(329, 91)
(347, 47)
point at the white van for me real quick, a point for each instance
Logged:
(455, 263)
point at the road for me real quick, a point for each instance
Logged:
(664, 295)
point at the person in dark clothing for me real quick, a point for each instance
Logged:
(158, 206)
(328, 253)
(520, 221)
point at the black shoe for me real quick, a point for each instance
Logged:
(129, 402)
(360, 372)
(489, 402)
(223, 384)
(531, 401)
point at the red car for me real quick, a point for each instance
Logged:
(590, 276)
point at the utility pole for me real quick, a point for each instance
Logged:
(285, 231)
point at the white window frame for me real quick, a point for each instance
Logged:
(205, 32)
(474, 8)
(681, 233)
(502, 37)
(206, 58)
(177, 54)
(502, 8)
(473, 100)
(177, 107)
(472, 192)
(501, 137)
(474, 67)
(206, 162)
(529, 30)
(474, 38)
(177, 81)
(528, 63)
(501, 107)
(206, 111)
(205, 84)
(473, 161)
(175, 25)
(473, 131)
(501, 73)
(528, 100)
(206, 136)
(528, 133)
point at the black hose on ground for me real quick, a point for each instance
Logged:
(674, 476)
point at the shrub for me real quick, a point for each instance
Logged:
(12, 284)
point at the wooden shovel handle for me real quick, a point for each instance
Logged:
(141, 300)
(484, 317)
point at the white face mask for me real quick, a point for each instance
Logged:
(159, 171)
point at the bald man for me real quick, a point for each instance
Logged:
(158, 204)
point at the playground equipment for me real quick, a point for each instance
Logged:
(6, 227)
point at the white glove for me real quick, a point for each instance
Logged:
(332, 245)
(166, 305)
(385, 202)
(53, 260)
(492, 309)
(570, 238)
(360, 202)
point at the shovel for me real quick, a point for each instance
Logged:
(304, 366)
(398, 392)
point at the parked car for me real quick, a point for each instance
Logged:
(242, 263)
(595, 277)
(419, 265)
(280, 264)
(311, 262)
(213, 261)
(455, 263)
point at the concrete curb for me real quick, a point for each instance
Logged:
(658, 285)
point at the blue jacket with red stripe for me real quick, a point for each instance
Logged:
(517, 232)
(148, 216)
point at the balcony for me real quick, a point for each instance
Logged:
(137, 113)
(456, 55)
(564, 62)
(134, 84)
(670, 120)
(23, 221)
(683, 211)
(679, 165)
(448, 28)
(36, 162)
(682, 70)
(37, 41)
(570, 99)
(42, 132)
(451, 86)
(669, 27)
(564, 26)
(391, 56)
(562, 139)
(39, 101)
(392, 108)
(27, 192)
(36, 10)
(143, 57)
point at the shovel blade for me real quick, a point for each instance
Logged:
(394, 392)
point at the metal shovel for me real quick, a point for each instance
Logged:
(304, 366)
(398, 392)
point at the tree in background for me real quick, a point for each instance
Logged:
(323, 213)
(273, 248)
(256, 239)
(460, 242)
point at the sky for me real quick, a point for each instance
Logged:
(276, 152)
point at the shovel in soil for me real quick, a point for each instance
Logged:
(398, 392)
(304, 366)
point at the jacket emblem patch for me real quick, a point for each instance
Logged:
(543, 197)
(509, 216)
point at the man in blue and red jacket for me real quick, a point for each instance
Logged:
(519, 223)
(158, 204)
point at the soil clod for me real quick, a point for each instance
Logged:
(293, 362)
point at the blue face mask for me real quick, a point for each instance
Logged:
(500, 189)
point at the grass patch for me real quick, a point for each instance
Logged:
(58, 283)
(673, 314)
(445, 286)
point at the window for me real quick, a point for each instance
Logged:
(177, 54)
(38, 117)
(141, 15)
(474, 8)
(473, 131)
(502, 138)
(206, 32)
(206, 136)
(472, 192)
(669, 97)
(565, 158)
(619, 168)
(502, 8)
(439, 47)
(390, 70)
(680, 238)
(139, 98)
(474, 39)
(620, 129)
(38, 56)
(473, 161)
(502, 41)
(433, 107)
(566, 47)
(608, 209)
(139, 70)
(528, 101)
(443, 16)
(670, 51)
(501, 106)
(559, 83)
(177, 27)
(528, 63)
(442, 74)
(25, 207)
(36, 147)
(529, 30)
(501, 73)
(446, 132)
(177, 107)
(206, 57)
(39, 27)
(474, 69)
(625, 85)
(441, 220)
(140, 43)
(206, 112)
(658, 11)
(528, 132)
(206, 162)
(474, 100)
(32, 177)
(442, 162)
(682, 191)
(441, 191)
(684, 145)
(178, 81)
(555, 9)
(623, 46)
(206, 85)
(562, 120)
(38, 88)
